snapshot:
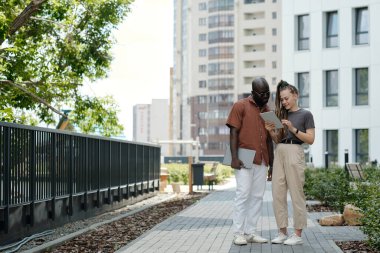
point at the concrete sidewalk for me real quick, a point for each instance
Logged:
(207, 227)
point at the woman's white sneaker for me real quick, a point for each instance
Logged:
(294, 240)
(281, 238)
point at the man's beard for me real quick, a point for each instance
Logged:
(261, 103)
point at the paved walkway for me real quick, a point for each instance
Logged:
(207, 227)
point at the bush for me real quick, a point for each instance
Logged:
(366, 196)
(330, 186)
(179, 172)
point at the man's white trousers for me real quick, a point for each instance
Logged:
(250, 189)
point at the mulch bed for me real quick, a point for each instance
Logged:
(355, 247)
(319, 208)
(113, 236)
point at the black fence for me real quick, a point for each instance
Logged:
(50, 177)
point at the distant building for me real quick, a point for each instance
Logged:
(220, 47)
(331, 53)
(151, 122)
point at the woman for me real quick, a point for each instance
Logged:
(289, 161)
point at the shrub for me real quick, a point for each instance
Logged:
(175, 173)
(330, 186)
(179, 172)
(366, 196)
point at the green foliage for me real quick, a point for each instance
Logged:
(330, 186)
(96, 115)
(179, 172)
(366, 196)
(62, 44)
(222, 172)
(333, 187)
(175, 172)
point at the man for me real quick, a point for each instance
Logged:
(247, 130)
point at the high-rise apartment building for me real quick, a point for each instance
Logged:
(150, 123)
(331, 53)
(220, 46)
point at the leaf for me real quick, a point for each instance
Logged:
(62, 43)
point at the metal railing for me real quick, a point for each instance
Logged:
(45, 165)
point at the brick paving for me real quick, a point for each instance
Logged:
(207, 227)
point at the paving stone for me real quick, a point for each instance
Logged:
(207, 227)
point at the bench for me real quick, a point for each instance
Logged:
(355, 170)
(211, 177)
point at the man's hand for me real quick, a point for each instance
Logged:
(237, 164)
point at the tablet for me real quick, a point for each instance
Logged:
(245, 155)
(271, 117)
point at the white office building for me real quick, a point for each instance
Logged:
(331, 52)
(220, 46)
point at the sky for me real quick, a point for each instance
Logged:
(143, 55)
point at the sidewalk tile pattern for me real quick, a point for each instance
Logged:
(207, 227)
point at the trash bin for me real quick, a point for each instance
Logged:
(198, 171)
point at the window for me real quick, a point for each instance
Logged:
(274, 15)
(202, 21)
(274, 48)
(331, 88)
(202, 115)
(202, 6)
(332, 29)
(361, 145)
(220, 52)
(303, 32)
(215, 145)
(221, 99)
(221, 36)
(202, 99)
(274, 31)
(202, 52)
(274, 65)
(221, 20)
(223, 130)
(220, 68)
(218, 5)
(274, 1)
(202, 68)
(303, 89)
(361, 26)
(221, 84)
(361, 86)
(332, 146)
(274, 81)
(202, 84)
(202, 37)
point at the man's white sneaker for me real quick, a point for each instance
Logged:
(240, 239)
(281, 238)
(294, 240)
(255, 238)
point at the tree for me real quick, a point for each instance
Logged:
(48, 48)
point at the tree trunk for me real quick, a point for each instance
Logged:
(23, 17)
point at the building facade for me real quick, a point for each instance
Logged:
(220, 46)
(331, 53)
(151, 123)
